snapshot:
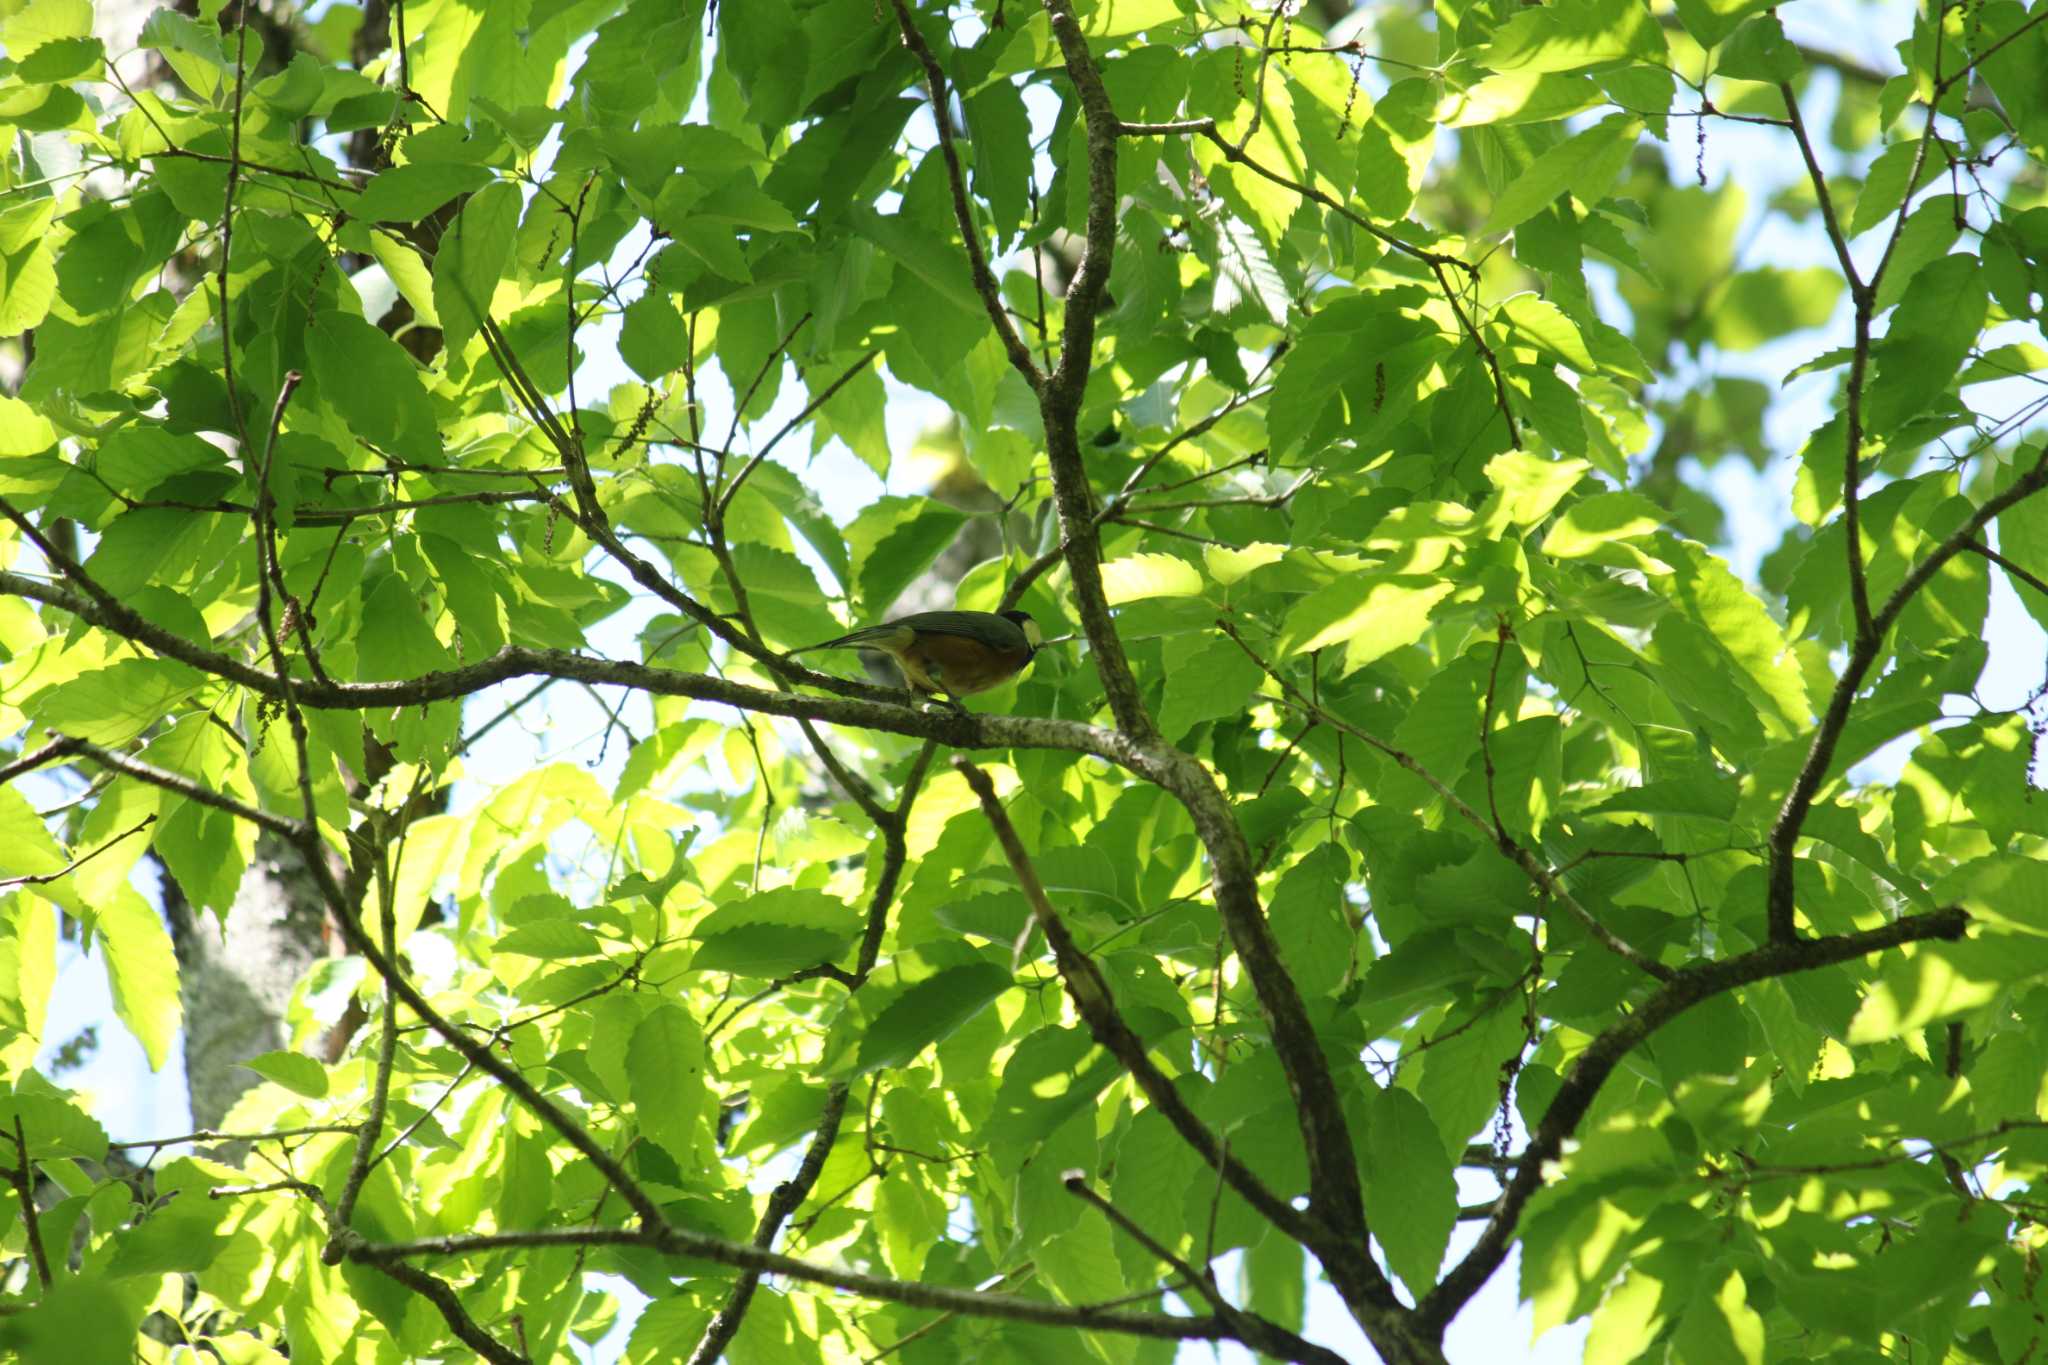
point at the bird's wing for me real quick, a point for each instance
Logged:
(986, 627)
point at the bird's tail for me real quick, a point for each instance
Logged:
(869, 638)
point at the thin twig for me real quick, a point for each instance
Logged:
(23, 1177)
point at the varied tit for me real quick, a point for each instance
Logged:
(952, 652)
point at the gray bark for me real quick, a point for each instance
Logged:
(236, 976)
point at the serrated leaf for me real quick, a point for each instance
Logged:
(1245, 273)
(142, 973)
(893, 540)
(1542, 324)
(1586, 164)
(1229, 564)
(1369, 614)
(928, 1012)
(1931, 331)
(1411, 1194)
(665, 1066)
(550, 938)
(295, 1071)
(767, 950)
(1592, 522)
(115, 704)
(471, 258)
(373, 384)
(406, 194)
(1136, 577)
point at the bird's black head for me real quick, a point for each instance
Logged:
(1022, 619)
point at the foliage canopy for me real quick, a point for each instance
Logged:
(1418, 790)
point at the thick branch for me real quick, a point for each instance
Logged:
(1689, 987)
(1096, 1004)
(1059, 399)
(1334, 1195)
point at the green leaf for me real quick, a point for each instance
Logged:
(28, 962)
(653, 340)
(472, 258)
(929, 1012)
(1573, 35)
(2002, 889)
(742, 934)
(295, 1071)
(1914, 991)
(115, 704)
(1721, 1326)
(1932, 329)
(23, 431)
(765, 950)
(1207, 678)
(367, 378)
(184, 1237)
(1411, 1197)
(45, 21)
(1759, 51)
(894, 540)
(1231, 564)
(142, 973)
(551, 938)
(63, 59)
(665, 1068)
(1543, 325)
(1710, 21)
(1245, 275)
(1584, 164)
(26, 847)
(1371, 615)
(1593, 522)
(136, 459)
(1531, 487)
(80, 1320)
(406, 194)
(1136, 577)
(1310, 914)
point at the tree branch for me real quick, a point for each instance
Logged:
(23, 1177)
(1546, 880)
(1335, 1199)
(1688, 987)
(1259, 1333)
(674, 1241)
(1060, 397)
(791, 1193)
(189, 789)
(438, 1292)
(1096, 1004)
(1785, 830)
(1863, 296)
(984, 279)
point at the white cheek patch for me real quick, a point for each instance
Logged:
(1033, 636)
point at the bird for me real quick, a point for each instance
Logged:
(957, 653)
